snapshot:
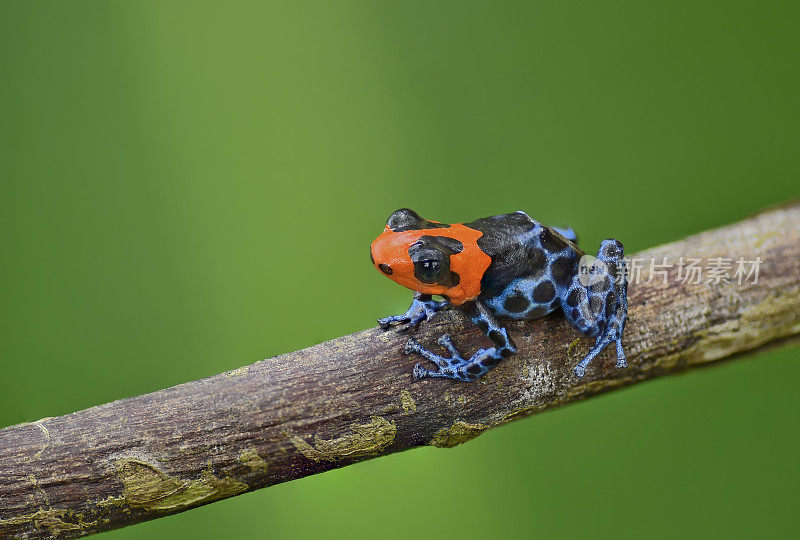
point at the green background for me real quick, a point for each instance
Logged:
(191, 187)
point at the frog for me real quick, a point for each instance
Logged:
(507, 266)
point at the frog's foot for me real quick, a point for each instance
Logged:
(601, 343)
(420, 310)
(611, 334)
(456, 367)
(599, 308)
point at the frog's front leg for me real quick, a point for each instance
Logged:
(423, 307)
(597, 305)
(457, 367)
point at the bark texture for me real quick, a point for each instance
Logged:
(353, 398)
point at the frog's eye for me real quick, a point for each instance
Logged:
(431, 258)
(429, 263)
(428, 270)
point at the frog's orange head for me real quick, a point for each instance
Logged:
(430, 257)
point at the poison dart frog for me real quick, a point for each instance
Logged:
(505, 266)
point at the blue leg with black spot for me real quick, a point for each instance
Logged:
(422, 308)
(457, 367)
(597, 305)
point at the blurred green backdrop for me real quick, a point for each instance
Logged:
(191, 187)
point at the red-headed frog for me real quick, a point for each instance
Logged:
(506, 266)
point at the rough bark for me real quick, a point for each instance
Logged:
(353, 398)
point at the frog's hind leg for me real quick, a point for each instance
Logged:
(597, 304)
(472, 368)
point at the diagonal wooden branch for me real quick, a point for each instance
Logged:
(353, 398)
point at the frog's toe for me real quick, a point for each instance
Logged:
(421, 372)
(410, 325)
(403, 324)
(447, 342)
(579, 370)
(412, 346)
(621, 361)
(387, 322)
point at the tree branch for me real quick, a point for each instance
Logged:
(353, 398)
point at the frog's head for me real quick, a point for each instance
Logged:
(416, 253)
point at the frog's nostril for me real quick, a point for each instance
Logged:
(386, 269)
